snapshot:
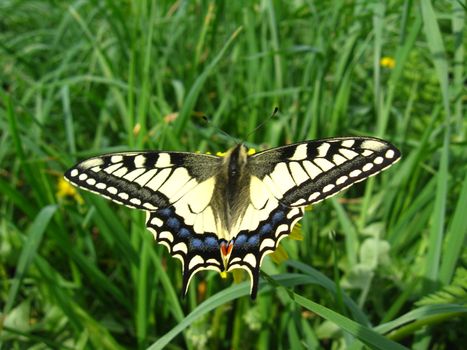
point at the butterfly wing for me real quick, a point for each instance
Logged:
(286, 179)
(175, 188)
(308, 172)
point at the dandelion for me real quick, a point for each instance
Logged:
(64, 189)
(387, 62)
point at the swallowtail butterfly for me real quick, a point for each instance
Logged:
(224, 213)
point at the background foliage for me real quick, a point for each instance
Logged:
(86, 77)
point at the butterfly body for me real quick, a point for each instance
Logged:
(224, 213)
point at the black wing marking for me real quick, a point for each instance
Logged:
(305, 173)
(143, 180)
(195, 251)
(251, 246)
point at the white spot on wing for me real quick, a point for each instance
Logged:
(163, 160)
(101, 186)
(299, 175)
(301, 201)
(135, 201)
(91, 181)
(293, 212)
(146, 177)
(197, 259)
(300, 152)
(212, 262)
(367, 167)
(83, 177)
(311, 169)
(112, 190)
(120, 172)
(116, 159)
(90, 163)
(378, 160)
(373, 145)
(390, 154)
(355, 173)
(328, 188)
(158, 180)
(323, 149)
(282, 178)
(140, 160)
(348, 143)
(267, 243)
(131, 176)
(282, 228)
(314, 195)
(74, 172)
(180, 247)
(341, 180)
(348, 153)
(156, 221)
(123, 195)
(149, 206)
(324, 164)
(166, 235)
(367, 153)
(338, 159)
(112, 168)
(250, 259)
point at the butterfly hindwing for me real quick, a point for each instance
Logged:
(195, 251)
(252, 245)
(308, 172)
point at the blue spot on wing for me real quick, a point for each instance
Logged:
(277, 217)
(211, 242)
(265, 229)
(166, 212)
(184, 233)
(253, 240)
(196, 243)
(240, 240)
(173, 223)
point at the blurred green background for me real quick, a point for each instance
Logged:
(381, 266)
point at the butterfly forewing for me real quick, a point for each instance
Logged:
(143, 180)
(308, 172)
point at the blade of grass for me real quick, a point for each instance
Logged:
(29, 251)
(455, 238)
(436, 46)
(198, 84)
(363, 333)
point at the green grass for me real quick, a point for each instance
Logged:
(381, 266)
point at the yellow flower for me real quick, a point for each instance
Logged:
(387, 62)
(64, 189)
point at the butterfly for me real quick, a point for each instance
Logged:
(228, 212)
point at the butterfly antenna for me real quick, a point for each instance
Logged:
(208, 121)
(273, 114)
